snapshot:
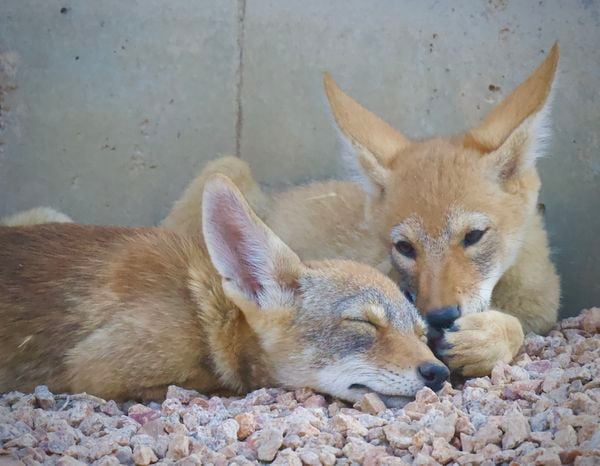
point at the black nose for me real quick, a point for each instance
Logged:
(444, 317)
(433, 374)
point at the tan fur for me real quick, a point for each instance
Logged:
(471, 348)
(185, 221)
(431, 193)
(35, 216)
(124, 312)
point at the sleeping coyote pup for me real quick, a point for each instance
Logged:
(124, 312)
(454, 217)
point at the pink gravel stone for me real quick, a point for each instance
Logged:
(142, 414)
(371, 403)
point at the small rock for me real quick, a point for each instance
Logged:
(69, 461)
(489, 433)
(470, 458)
(423, 459)
(84, 411)
(267, 443)
(315, 401)
(170, 406)
(228, 431)
(287, 457)
(348, 425)
(181, 394)
(144, 455)
(303, 394)
(153, 428)
(500, 374)
(544, 439)
(142, 414)
(247, 425)
(548, 458)
(110, 408)
(590, 321)
(371, 403)
(59, 441)
(463, 425)
(293, 441)
(521, 389)
(552, 379)
(203, 403)
(124, 454)
(264, 397)
(391, 461)
(443, 452)
(399, 434)
(566, 437)
(179, 446)
(196, 460)
(426, 396)
(107, 461)
(309, 458)
(516, 427)
(586, 460)
(44, 398)
(442, 425)
(490, 451)
(24, 441)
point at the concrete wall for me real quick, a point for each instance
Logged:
(108, 108)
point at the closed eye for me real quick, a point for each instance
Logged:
(361, 321)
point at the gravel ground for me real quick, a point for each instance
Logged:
(543, 410)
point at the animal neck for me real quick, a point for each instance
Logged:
(238, 360)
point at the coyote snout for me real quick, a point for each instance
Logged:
(393, 381)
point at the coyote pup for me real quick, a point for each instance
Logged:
(454, 217)
(123, 312)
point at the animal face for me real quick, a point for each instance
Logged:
(452, 211)
(456, 230)
(359, 334)
(336, 326)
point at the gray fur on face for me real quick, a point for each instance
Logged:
(343, 335)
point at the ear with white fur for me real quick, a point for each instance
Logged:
(375, 143)
(511, 136)
(251, 259)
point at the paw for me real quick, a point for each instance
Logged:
(476, 342)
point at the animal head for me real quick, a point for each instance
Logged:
(452, 211)
(336, 326)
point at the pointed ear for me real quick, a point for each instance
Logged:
(250, 258)
(511, 134)
(375, 143)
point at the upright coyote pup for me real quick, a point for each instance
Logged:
(455, 217)
(122, 313)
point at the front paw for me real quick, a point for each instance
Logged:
(476, 342)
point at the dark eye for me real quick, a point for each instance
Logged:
(473, 237)
(410, 296)
(406, 249)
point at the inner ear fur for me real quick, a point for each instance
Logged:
(526, 100)
(245, 252)
(509, 137)
(376, 144)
